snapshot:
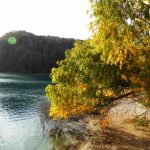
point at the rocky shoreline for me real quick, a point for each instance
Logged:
(119, 134)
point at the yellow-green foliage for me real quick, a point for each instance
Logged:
(121, 33)
(82, 81)
(116, 57)
(142, 122)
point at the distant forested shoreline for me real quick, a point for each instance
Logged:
(31, 53)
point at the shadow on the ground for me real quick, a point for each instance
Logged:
(121, 140)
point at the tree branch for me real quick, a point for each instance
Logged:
(144, 20)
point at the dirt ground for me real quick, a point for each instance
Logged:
(121, 133)
(116, 139)
(123, 137)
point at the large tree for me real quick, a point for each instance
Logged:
(113, 61)
(121, 34)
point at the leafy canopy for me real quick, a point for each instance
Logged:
(114, 60)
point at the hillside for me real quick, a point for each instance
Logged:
(23, 52)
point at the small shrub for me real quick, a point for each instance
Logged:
(142, 122)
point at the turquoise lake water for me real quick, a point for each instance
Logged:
(21, 100)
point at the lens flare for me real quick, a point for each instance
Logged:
(12, 40)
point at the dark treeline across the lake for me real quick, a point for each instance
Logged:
(32, 53)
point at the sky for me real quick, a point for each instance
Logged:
(63, 18)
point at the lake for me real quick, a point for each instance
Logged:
(21, 100)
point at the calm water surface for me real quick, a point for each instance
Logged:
(21, 97)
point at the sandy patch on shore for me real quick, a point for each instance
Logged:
(121, 133)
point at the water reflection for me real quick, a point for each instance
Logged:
(20, 97)
(24, 120)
